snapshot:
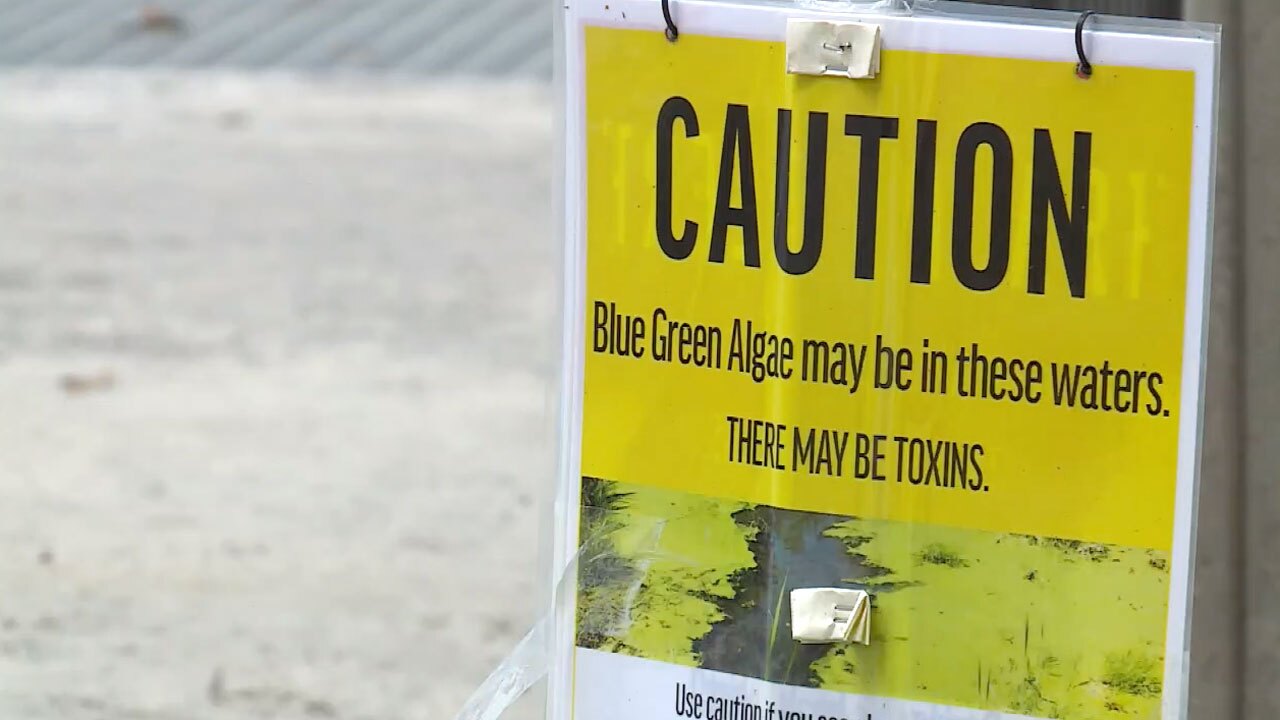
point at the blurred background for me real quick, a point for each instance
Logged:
(277, 313)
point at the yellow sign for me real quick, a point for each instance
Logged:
(931, 336)
(895, 299)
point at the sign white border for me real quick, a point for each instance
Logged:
(938, 33)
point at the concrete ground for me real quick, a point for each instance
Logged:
(274, 368)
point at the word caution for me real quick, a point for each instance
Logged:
(876, 136)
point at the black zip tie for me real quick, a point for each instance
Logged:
(1084, 68)
(672, 32)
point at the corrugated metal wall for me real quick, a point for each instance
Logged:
(416, 37)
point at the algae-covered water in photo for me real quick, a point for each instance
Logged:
(1038, 626)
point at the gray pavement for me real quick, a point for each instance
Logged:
(274, 364)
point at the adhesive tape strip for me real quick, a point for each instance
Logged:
(830, 615)
(849, 49)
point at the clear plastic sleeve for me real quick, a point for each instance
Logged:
(935, 335)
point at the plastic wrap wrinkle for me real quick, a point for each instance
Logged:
(530, 660)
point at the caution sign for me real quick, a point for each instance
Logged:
(934, 335)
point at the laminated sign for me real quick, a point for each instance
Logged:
(883, 362)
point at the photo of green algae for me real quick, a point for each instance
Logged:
(1037, 626)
